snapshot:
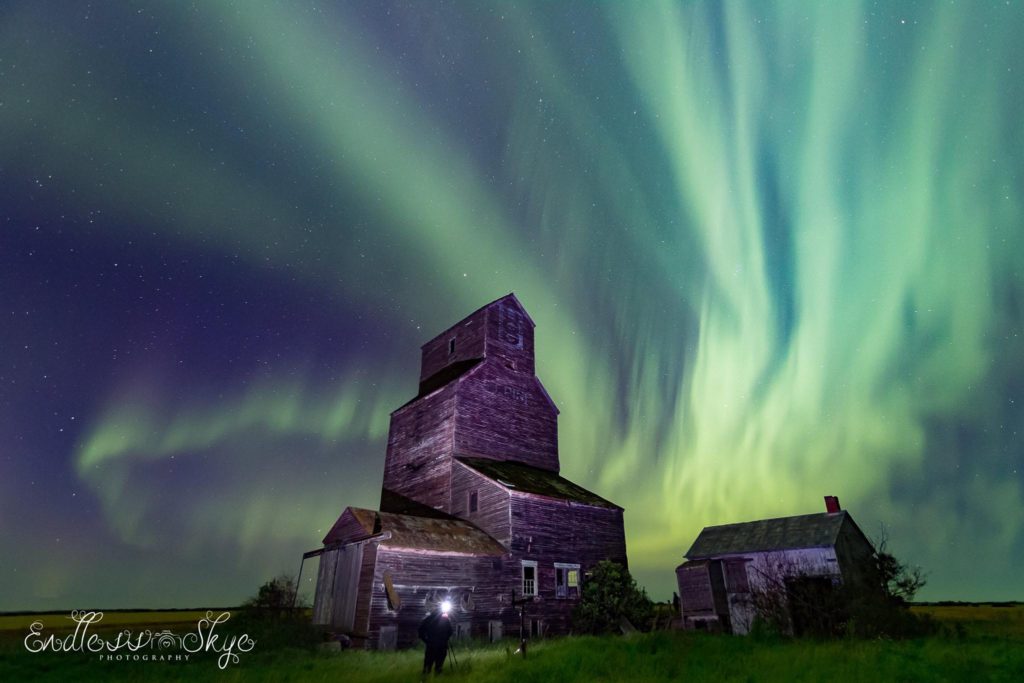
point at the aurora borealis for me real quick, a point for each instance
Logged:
(773, 250)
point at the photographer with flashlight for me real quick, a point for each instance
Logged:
(435, 630)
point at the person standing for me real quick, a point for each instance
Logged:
(435, 630)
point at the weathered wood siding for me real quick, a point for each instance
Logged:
(361, 625)
(854, 555)
(544, 530)
(493, 513)
(764, 571)
(498, 410)
(510, 336)
(418, 460)
(323, 598)
(469, 336)
(549, 531)
(346, 528)
(695, 596)
(550, 528)
(504, 414)
(338, 587)
(421, 580)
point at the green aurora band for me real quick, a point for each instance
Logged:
(773, 251)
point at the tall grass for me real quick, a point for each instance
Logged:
(964, 655)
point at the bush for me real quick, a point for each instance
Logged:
(270, 618)
(275, 599)
(881, 608)
(610, 596)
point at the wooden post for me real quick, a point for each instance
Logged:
(521, 604)
(298, 578)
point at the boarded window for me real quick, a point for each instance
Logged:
(695, 588)
(529, 577)
(473, 501)
(736, 580)
(567, 580)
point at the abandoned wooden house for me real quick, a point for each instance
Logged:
(729, 568)
(472, 509)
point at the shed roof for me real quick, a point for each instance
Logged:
(817, 530)
(516, 476)
(427, 533)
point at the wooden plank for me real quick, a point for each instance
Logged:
(504, 414)
(418, 460)
(493, 501)
(346, 586)
(323, 600)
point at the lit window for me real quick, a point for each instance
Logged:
(529, 577)
(567, 580)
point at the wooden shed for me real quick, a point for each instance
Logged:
(727, 564)
(473, 509)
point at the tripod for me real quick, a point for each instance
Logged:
(453, 663)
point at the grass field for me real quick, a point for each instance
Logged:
(987, 646)
(981, 620)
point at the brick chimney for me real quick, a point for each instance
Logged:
(832, 505)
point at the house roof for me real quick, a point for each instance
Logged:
(427, 533)
(802, 531)
(516, 476)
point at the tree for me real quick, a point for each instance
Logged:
(610, 599)
(275, 598)
(900, 581)
(269, 618)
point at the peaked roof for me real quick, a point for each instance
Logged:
(510, 295)
(412, 532)
(516, 476)
(817, 530)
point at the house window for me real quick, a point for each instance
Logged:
(451, 346)
(567, 580)
(473, 501)
(529, 577)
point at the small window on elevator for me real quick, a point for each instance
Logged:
(529, 577)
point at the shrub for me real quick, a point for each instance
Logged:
(270, 618)
(610, 596)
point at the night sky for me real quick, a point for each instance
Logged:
(773, 252)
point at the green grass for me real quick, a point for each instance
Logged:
(990, 647)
